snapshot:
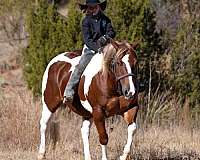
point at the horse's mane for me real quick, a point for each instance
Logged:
(110, 53)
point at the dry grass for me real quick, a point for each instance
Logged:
(19, 134)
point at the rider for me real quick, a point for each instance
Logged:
(97, 30)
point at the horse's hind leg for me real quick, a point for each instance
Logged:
(85, 132)
(46, 114)
(130, 118)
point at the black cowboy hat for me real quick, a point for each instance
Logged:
(101, 3)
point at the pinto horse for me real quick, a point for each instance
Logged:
(107, 87)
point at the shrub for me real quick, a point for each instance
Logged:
(49, 34)
(186, 60)
(135, 21)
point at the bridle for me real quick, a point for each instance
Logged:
(113, 68)
(124, 76)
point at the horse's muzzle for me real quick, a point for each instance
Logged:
(128, 94)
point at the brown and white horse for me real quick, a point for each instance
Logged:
(107, 87)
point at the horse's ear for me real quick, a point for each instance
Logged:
(115, 44)
(134, 45)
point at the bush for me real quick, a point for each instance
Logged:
(135, 21)
(186, 60)
(49, 34)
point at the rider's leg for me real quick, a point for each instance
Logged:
(87, 55)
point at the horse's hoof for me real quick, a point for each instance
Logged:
(41, 156)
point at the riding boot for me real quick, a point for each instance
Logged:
(78, 71)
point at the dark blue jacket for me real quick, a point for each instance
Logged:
(93, 27)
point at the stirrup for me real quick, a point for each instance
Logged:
(64, 100)
(68, 99)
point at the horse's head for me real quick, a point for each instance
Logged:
(122, 64)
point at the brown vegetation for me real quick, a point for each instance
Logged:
(19, 136)
(165, 129)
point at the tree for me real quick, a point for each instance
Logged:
(49, 35)
(185, 68)
(135, 20)
(186, 60)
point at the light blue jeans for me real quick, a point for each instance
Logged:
(86, 57)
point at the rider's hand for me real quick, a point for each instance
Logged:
(103, 40)
(100, 50)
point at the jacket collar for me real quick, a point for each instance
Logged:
(98, 16)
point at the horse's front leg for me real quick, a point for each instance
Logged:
(85, 132)
(130, 118)
(99, 120)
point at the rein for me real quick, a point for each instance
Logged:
(123, 76)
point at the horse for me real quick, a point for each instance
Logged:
(107, 87)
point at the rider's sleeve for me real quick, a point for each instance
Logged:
(87, 36)
(109, 29)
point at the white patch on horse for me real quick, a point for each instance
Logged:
(46, 114)
(128, 67)
(104, 152)
(91, 70)
(127, 148)
(85, 132)
(87, 105)
(60, 57)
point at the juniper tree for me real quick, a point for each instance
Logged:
(49, 35)
(135, 20)
(186, 61)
